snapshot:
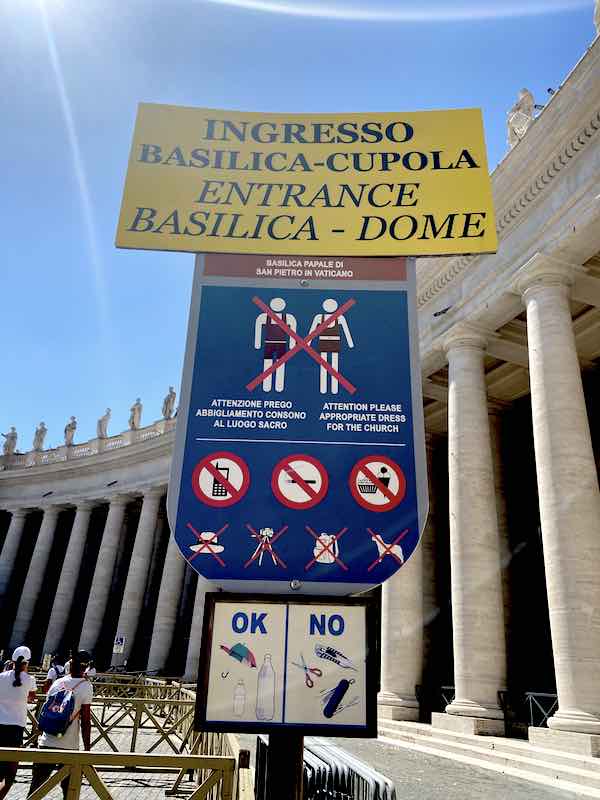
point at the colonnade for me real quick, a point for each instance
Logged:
(64, 599)
(569, 505)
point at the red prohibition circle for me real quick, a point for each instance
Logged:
(394, 500)
(314, 497)
(236, 494)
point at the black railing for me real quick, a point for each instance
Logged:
(541, 706)
(330, 773)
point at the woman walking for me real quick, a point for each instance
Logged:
(17, 688)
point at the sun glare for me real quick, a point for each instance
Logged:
(406, 12)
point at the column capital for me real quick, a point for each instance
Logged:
(154, 492)
(544, 270)
(85, 505)
(465, 334)
(119, 499)
(51, 510)
(17, 513)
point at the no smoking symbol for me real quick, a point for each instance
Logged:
(221, 479)
(299, 481)
(377, 483)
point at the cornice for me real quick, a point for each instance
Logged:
(507, 217)
(522, 166)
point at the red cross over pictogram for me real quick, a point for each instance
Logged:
(265, 545)
(205, 544)
(303, 344)
(385, 549)
(326, 548)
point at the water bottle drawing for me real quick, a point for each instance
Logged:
(265, 690)
(239, 699)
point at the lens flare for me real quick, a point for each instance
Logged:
(80, 172)
(395, 12)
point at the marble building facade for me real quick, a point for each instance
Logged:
(503, 596)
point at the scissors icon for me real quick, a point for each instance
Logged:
(308, 671)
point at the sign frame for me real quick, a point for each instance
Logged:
(372, 606)
(422, 495)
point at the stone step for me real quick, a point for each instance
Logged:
(515, 747)
(535, 764)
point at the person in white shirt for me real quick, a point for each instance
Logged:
(56, 671)
(17, 688)
(80, 720)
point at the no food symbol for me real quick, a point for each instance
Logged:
(299, 481)
(377, 483)
(221, 479)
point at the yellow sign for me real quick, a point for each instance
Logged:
(201, 180)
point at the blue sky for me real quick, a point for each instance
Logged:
(84, 326)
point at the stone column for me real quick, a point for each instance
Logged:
(496, 411)
(63, 599)
(477, 614)
(193, 654)
(569, 498)
(35, 575)
(133, 597)
(103, 573)
(166, 608)
(402, 641)
(11, 547)
(405, 612)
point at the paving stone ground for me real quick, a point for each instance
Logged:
(417, 776)
(421, 776)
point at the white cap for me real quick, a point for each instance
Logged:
(23, 652)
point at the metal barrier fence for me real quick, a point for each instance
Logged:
(330, 773)
(142, 717)
(219, 771)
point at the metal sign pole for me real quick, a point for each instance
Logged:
(285, 769)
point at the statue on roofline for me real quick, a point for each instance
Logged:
(135, 417)
(70, 429)
(169, 404)
(520, 117)
(10, 442)
(102, 425)
(39, 436)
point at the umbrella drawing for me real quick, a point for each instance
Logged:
(241, 653)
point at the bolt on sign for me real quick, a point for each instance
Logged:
(385, 184)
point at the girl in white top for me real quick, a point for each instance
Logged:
(17, 688)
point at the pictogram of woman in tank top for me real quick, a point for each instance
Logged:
(276, 342)
(330, 344)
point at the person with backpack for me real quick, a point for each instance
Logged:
(67, 710)
(91, 671)
(17, 688)
(56, 671)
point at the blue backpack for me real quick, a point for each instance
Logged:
(57, 712)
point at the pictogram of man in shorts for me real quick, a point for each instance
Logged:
(275, 342)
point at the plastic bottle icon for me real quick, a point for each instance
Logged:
(265, 691)
(239, 699)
